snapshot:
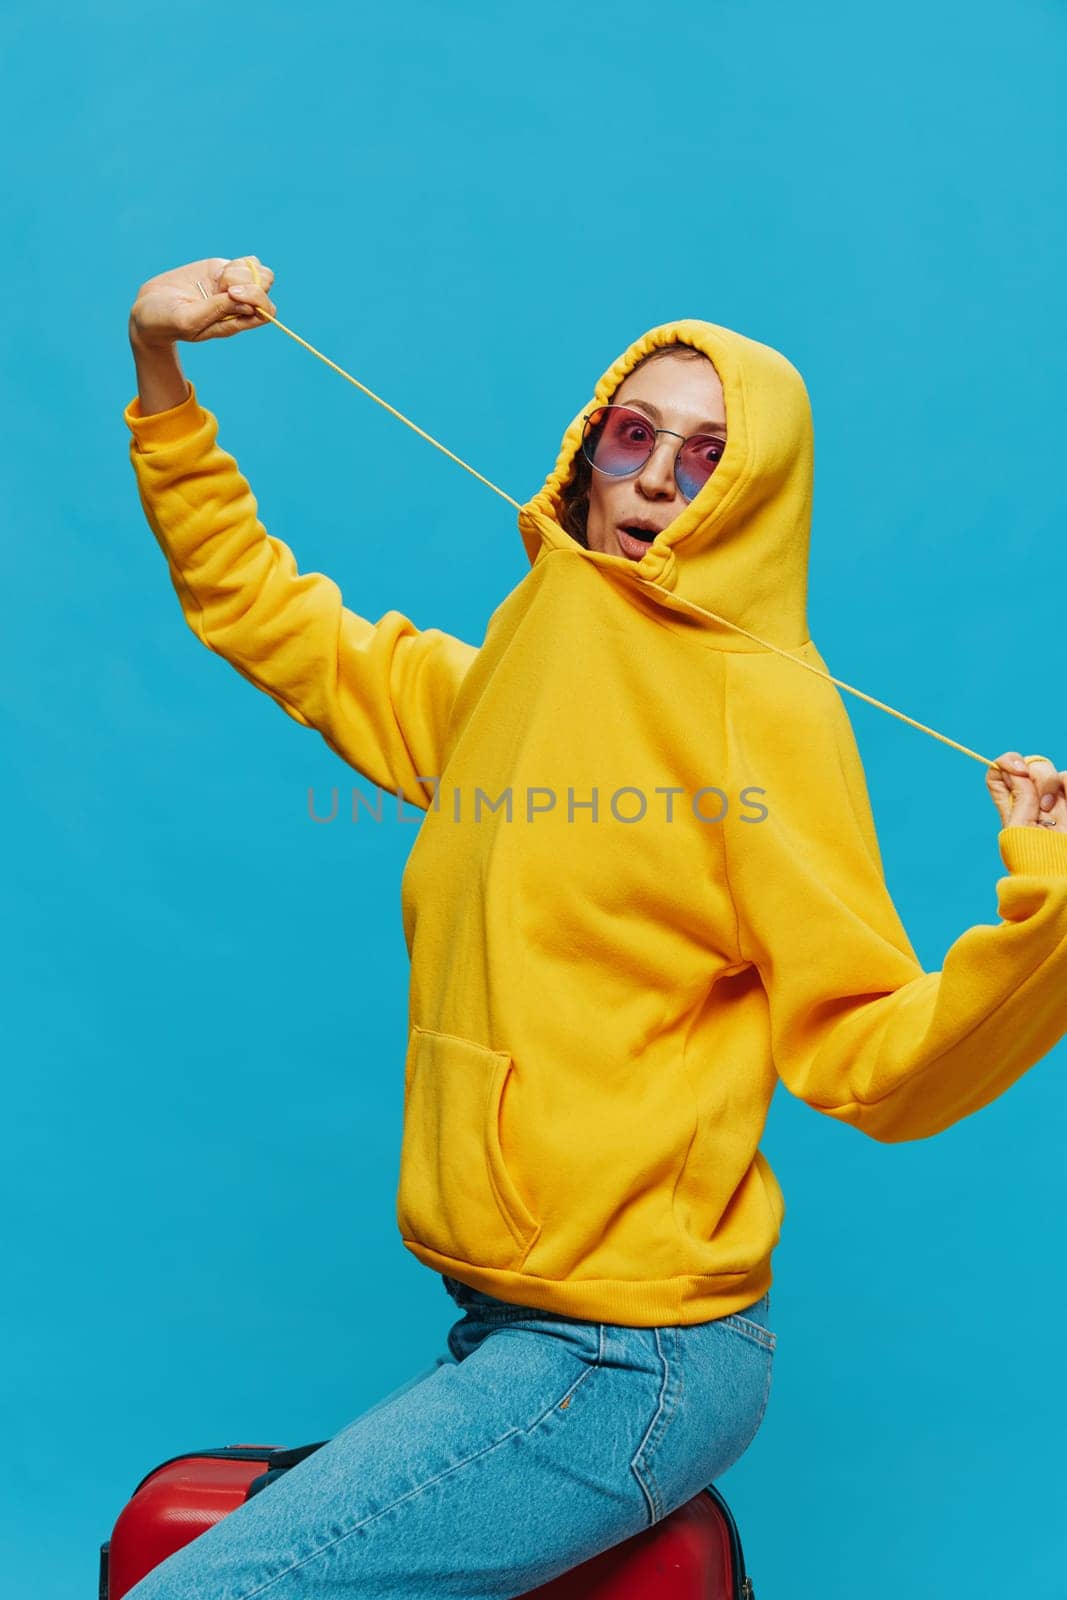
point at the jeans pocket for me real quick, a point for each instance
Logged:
(750, 1329)
(751, 1323)
(457, 1194)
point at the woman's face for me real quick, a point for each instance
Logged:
(675, 392)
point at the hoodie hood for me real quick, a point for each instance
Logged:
(740, 548)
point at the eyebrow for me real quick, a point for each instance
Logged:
(657, 416)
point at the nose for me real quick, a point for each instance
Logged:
(656, 477)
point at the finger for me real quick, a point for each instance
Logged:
(216, 319)
(998, 773)
(222, 308)
(1023, 808)
(243, 294)
(226, 328)
(997, 784)
(1058, 814)
(1012, 789)
(239, 270)
(244, 314)
(210, 271)
(1002, 799)
(1048, 781)
(245, 269)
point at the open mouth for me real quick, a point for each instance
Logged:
(634, 539)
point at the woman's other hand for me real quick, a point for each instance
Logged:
(1019, 785)
(170, 307)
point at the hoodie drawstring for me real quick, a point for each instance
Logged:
(880, 704)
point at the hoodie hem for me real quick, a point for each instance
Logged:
(655, 1302)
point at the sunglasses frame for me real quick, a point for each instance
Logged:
(613, 406)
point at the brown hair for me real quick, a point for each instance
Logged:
(574, 494)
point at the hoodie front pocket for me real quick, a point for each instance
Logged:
(456, 1194)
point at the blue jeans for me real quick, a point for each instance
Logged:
(534, 1441)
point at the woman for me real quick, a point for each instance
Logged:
(647, 885)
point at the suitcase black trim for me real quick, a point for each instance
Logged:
(744, 1588)
(231, 1452)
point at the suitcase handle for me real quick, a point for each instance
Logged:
(280, 1462)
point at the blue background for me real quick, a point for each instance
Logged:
(474, 211)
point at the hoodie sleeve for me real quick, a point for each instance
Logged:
(380, 693)
(858, 1030)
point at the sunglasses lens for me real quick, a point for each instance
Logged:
(696, 463)
(617, 440)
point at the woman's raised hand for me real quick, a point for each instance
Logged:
(170, 307)
(1018, 786)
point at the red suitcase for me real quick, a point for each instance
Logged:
(693, 1554)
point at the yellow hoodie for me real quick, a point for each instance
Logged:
(602, 1000)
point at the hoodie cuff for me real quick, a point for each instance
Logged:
(164, 427)
(1030, 849)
